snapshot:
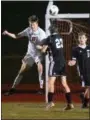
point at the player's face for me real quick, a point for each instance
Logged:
(34, 26)
(82, 39)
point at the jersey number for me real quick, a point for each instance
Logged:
(59, 43)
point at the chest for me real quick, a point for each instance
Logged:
(83, 53)
(34, 37)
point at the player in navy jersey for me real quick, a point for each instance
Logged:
(56, 67)
(35, 35)
(81, 55)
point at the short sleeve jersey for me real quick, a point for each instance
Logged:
(82, 55)
(34, 39)
(55, 43)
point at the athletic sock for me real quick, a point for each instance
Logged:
(68, 97)
(50, 97)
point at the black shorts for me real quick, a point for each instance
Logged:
(86, 79)
(55, 69)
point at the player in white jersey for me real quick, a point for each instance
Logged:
(35, 35)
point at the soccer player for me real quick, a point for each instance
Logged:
(56, 67)
(35, 35)
(81, 56)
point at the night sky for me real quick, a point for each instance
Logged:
(14, 18)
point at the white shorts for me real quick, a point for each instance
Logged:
(28, 59)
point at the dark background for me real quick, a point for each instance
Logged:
(14, 18)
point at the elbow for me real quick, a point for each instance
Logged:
(16, 37)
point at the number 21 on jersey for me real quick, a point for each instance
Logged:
(59, 43)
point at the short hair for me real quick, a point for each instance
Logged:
(53, 29)
(82, 33)
(33, 18)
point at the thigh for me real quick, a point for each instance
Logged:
(28, 60)
(38, 59)
(51, 80)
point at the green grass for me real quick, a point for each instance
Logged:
(37, 111)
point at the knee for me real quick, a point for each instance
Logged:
(66, 87)
(23, 68)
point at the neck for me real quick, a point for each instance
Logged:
(82, 46)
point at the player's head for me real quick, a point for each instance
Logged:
(82, 38)
(53, 29)
(33, 22)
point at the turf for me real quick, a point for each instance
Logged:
(37, 111)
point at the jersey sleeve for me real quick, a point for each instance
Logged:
(23, 33)
(42, 35)
(74, 54)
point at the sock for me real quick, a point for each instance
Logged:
(82, 97)
(68, 97)
(17, 80)
(50, 97)
(86, 100)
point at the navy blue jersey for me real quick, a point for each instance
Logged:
(55, 43)
(82, 55)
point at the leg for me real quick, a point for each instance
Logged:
(50, 92)
(27, 62)
(40, 74)
(18, 78)
(67, 93)
(86, 98)
(85, 95)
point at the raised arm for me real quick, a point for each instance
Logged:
(16, 36)
(12, 35)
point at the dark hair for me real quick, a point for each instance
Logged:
(82, 33)
(33, 18)
(53, 29)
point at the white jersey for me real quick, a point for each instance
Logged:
(34, 38)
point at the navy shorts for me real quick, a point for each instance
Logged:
(55, 69)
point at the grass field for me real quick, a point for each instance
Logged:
(37, 111)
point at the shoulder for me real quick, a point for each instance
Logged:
(26, 29)
(88, 46)
(75, 48)
(59, 36)
(41, 30)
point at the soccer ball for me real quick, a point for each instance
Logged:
(53, 10)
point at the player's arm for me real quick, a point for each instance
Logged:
(15, 36)
(43, 45)
(12, 35)
(74, 58)
(44, 48)
(71, 62)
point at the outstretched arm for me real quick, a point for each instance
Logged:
(15, 36)
(12, 35)
(43, 48)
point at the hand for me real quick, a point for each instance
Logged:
(71, 62)
(5, 32)
(38, 47)
(44, 48)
